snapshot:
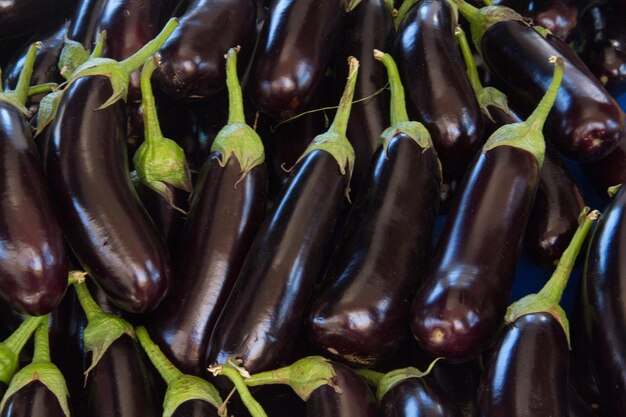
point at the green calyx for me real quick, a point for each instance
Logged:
(180, 387)
(334, 141)
(393, 378)
(17, 97)
(485, 17)
(528, 135)
(72, 56)
(48, 107)
(548, 298)
(303, 376)
(611, 191)
(236, 375)
(42, 370)
(237, 138)
(160, 162)
(10, 349)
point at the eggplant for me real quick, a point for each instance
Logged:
(295, 48)
(440, 94)
(104, 223)
(226, 211)
(33, 266)
(457, 311)
(261, 318)
(34, 400)
(558, 16)
(24, 17)
(191, 61)
(586, 123)
(605, 313)
(367, 27)
(417, 397)
(610, 170)
(359, 315)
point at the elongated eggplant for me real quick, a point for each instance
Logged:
(367, 27)
(439, 92)
(33, 265)
(190, 65)
(605, 313)
(295, 48)
(417, 397)
(261, 318)
(360, 314)
(226, 212)
(459, 308)
(23, 17)
(586, 123)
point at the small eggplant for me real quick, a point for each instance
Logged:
(585, 123)
(33, 265)
(526, 375)
(227, 209)
(459, 308)
(261, 318)
(604, 289)
(191, 61)
(359, 316)
(295, 48)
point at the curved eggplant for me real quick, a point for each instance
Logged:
(191, 62)
(295, 48)
(417, 397)
(440, 94)
(103, 220)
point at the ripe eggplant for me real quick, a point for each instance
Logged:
(261, 318)
(439, 91)
(103, 220)
(536, 333)
(610, 170)
(558, 16)
(225, 214)
(417, 397)
(605, 312)
(586, 123)
(33, 265)
(191, 62)
(34, 400)
(459, 308)
(359, 316)
(23, 17)
(295, 48)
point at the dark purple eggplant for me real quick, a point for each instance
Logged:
(227, 209)
(586, 122)
(417, 397)
(367, 27)
(103, 220)
(603, 46)
(460, 306)
(191, 62)
(439, 91)
(34, 400)
(295, 48)
(618, 4)
(33, 265)
(261, 318)
(24, 17)
(360, 314)
(604, 290)
(610, 170)
(558, 16)
(526, 375)
(576, 406)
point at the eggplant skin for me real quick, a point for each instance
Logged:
(103, 220)
(33, 259)
(526, 375)
(604, 292)
(195, 408)
(34, 400)
(417, 397)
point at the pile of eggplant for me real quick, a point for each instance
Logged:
(322, 208)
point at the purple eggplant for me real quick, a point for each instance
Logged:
(359, 316)
(23, 17)
(610, 170)
(417, 397)
(558, 16)
(460, 306)
(227, 209)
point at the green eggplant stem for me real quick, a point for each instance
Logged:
(235, 97)
(17, 340)
(538, 117)
(398, 100)
(166, 369)
(137, 59)
(340, 124)
(150, 118)
(42, 343)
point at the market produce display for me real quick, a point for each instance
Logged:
(313, 208)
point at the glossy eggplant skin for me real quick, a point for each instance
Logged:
(192, 60)
(576, 406)
(24, 17)
(263, 314)
(120, 384)
(610, 170)
(222, 223)
(355, 398)
(367, 27)
(585, 123)
(84, 24)
(438, 90)
(360, 315)
(195, 408)
(417, 397)
(295, 48)
(558, 16)
(605, 312)
(105, 224)
(34, 400)
(33, 265)
(526, 375)
(460, 306)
